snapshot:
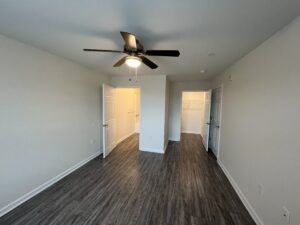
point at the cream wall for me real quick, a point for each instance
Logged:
(125, 112)
(49, 119)
(259, 146)
(176, 89)
(192, 112)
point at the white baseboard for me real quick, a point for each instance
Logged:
(174, 139)
(243, 198)
(190, 132)
(118, 142)
(45, 185)
(153, 150)
(124, 137)
(166, 146)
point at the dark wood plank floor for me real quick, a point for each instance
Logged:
(183, 187)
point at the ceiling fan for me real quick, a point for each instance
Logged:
(136, 53)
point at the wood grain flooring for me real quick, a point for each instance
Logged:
(185, 186)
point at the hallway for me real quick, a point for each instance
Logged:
(183, 187)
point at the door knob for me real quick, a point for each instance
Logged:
(105, 125)
(218, 126)
(207, 123)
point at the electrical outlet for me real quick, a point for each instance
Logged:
(286, 214)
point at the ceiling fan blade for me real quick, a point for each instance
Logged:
(148, 62)
(101, 50)
(129, 39)
(173, 53)
(120, 62)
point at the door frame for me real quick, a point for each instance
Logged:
(135, 108)
(207, 123)
(220, 117)
(104, 150)
(103, 108)
(141, 103)
(221, 110)
(181, 96)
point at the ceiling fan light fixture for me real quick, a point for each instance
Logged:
(136, 53)
(133, 61)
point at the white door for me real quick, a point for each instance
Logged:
(109, 121)
(214, 132)
(207, 101)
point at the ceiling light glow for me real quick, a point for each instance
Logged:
(133, 61)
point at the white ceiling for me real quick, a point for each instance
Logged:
(227, 28)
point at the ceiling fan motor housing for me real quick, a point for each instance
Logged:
(135, 50)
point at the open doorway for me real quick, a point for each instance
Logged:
(121, 115)
(193, 113)
(201, 114)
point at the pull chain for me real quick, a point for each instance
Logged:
(136, 78)
(134, 72)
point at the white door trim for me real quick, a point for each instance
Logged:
(220, 118)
